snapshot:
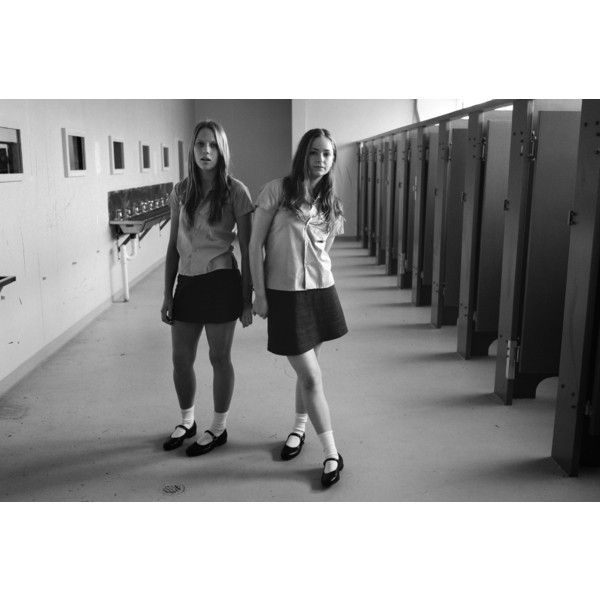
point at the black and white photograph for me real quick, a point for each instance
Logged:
(300, 284)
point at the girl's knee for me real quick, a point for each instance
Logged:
(310, 381)
(219, 360)
(182, 361)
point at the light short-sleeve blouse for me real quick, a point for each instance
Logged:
(295, 249)
(199, 243)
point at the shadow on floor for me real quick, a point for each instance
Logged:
(86, 463)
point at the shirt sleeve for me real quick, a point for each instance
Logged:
(270, 196)
(176, 196)
(242, 204)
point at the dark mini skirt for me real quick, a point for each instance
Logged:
(215, 297)
(298, 321)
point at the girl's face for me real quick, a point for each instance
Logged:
(206, 151)
(320, 157)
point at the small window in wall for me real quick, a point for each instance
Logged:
(145, 157)
(11, 161)
(74, 153)
(117, 154)
(164, 153)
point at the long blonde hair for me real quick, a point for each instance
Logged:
(193, 189)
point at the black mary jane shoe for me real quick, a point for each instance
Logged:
(197, 449)
(171, 443)
(328, 479)
(288, 452)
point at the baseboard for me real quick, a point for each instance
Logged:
(56, 344)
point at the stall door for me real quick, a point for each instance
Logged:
(453, 224)
(548, 242)
(431, 168)
(489, 272)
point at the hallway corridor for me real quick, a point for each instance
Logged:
(413, 420)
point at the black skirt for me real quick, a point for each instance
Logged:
(298, 321)
(215, 297)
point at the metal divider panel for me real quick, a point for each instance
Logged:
(371, 189)
(365, 190)
(413, 190)
(383, 195)
(456, 187)
(361, 191)
(389, 195)
(432, 168)
(378, 179)
(400, 189)
(594, 428)
(492, 226)
(548, 244)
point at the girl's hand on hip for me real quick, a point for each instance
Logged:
(260, 307)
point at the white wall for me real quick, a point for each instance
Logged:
(349, 121)
(54, 233)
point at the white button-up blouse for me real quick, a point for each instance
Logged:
(295, 249)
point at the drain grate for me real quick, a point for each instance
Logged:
(174, 488)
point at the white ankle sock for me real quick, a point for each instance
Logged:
(329, 450)
(299, 428)
(218, 426)
(187, 419)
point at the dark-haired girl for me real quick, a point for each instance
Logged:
(210, 293)
(295, 223)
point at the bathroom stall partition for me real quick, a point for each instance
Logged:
(576, 440)
(401, 190)
(389, 204)
(371, 181)
(486, 182)
(543, 160)
(379, 204)
(447, 227)
(424, 189)
(362, 205)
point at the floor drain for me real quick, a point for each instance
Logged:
(175, 488)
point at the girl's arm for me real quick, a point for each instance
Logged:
(244, 227)
(171, 265)
(260, 231)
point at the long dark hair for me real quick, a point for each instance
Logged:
(193, 189)
(296, 186)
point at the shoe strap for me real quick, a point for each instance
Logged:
(214, 437)
(297, 435)
(186, 429)
(337, 460)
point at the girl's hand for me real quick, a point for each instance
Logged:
(246, 318)
(260, 306)
(166, 312)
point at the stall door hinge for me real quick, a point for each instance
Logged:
(402, 263)
(571, 219)
(588, 409)
(483, 149)
(512, 358)
(474, 317)
(533, 146)
(445, 152)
